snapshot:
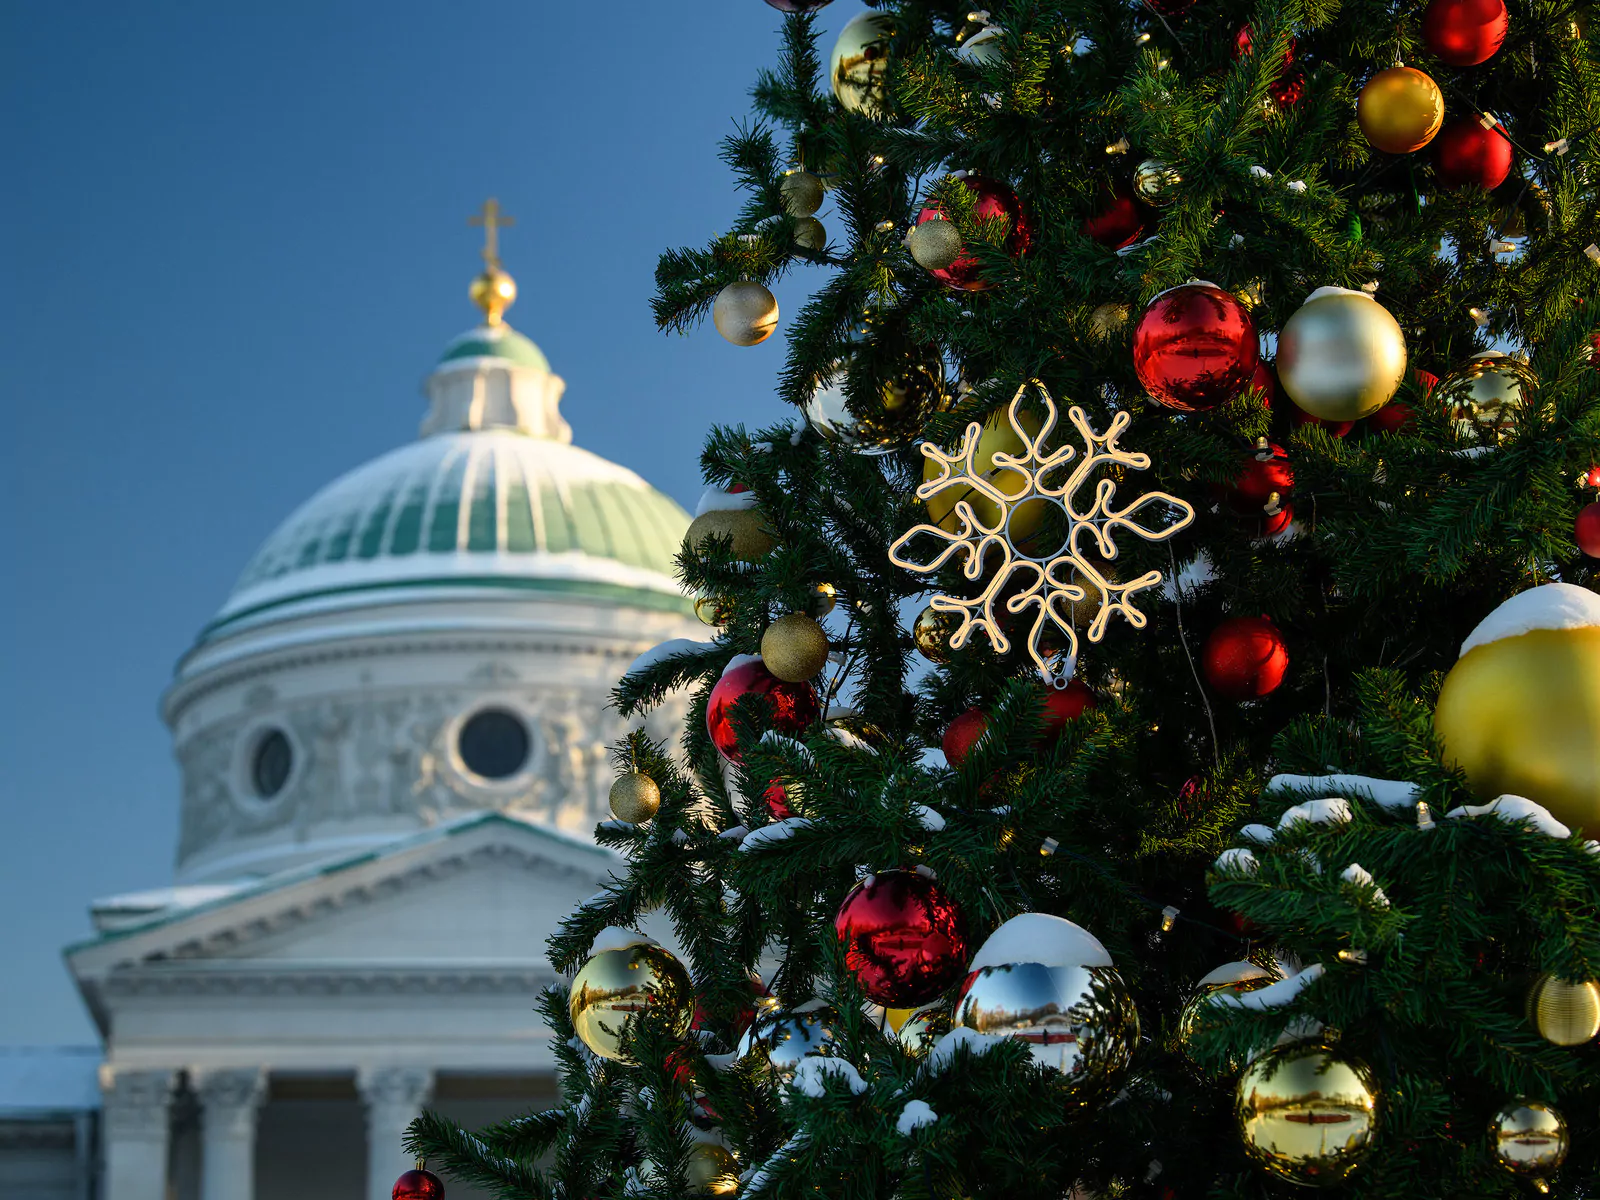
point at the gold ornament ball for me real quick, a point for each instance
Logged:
(919, 1031)
(751, 541)
(635, 798)
(617, 984)
(823, 598)
(932, 631)
(860, 57)
(935, 244)
(1198, 1013)
(745, 313)
(1107, 321)
(1521, 715)
(1307, 1114)
(1077, 1020)
(794, 648)
(1400, 110)
(901, 404)
(809, 234)
(1153, 181)
(1530, 1139)
(802, 193)
(997, 437)
(709, 1170)
(1565, 1014)
(1341, 356)
(713, 610)
(1489, 394)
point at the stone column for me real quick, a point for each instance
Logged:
(135, 1127)
(394, 1096)
(229, 1101)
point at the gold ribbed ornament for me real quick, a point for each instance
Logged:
(635, 798)
(1530, 1140)
(1307, 1114)
(1566, 1014)
(617, 984)
(745, 313)
(794, 648)
(751, 541)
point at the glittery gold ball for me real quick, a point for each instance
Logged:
(751, 541)
(1307, 1114)
(1108, 320)
(635, 798)
(1400, 110)
(935, 244)
(809, 234)
(1566, 1014)
(931, 631)
(1490, 393)
(745, 313)
(802, 193)
(617, 984)
(794, 648)
(1530, 1139)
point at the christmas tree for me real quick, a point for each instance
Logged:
(1150, 727)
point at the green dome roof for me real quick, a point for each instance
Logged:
(478, 509)
(495, 341)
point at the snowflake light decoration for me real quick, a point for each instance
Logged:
(1065, 575)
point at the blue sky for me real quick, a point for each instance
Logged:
(234, 240)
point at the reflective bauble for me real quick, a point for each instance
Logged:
(996, 437)
(1078, 1020)
(858, 62)
(788, 1039)
(1341, 356)
(1153, 181)
(708, 1169)
(794, 648)
(793, 706)
(617, 984)
(1400, 110)
(802, 192)
(799, 6)
(919, 1031)
(1468, 155)
(713, 610)
(1520, 714)
(1195, 347)
(962, 734)
(745, 313)
(1198, 1013)
(1465, 33)
(1120, 219)
(1565, 1014)
(897, 408)
(991, 201)
(1530, 1139)
(1108, 320)
(744, 527)
(905, 941)
(932, 630)
(1245, 658)
(418, 1184)
(823, 598)
(1489, 394)
(1307, 1113)
(635, 798)
(1586, 530)
(934, 243)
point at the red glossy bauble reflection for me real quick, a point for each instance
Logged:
(962, 735)
(794, 705)
(904, 939)
(1264, 473)
(1062, 705)
(1245, 657)
(1393, 417)
(1468, 155)
(777, 798)
(1119, 220)
(1288, 89)
(1590, 478)
(1244, 43)
(1195, 347)
(1586, 530)
(993, 200)
(1465, 33)
(418, 1185)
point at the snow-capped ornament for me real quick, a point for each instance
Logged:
(732, 515)
(1520, 710)
(1030, 513)
(1198, 1013)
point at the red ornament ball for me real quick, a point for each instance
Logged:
(993, 200)
(1468, 155)
(1394, 416)
(1170, 8)
(1590, 478)
(1288, 89)
(963, 735)
(418, 1185)
(1265, 384)
(1426, 380)
(1245, 657)
(1586, 530)
(794, 705)
(904, 939)
(777, 798)
(1121, 219)
(1265, 471)
(1062, 705)
(1195, 347)
(1244, 43)
(1465, 33)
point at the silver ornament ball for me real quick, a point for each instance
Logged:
(745, 313)
(1341, 356)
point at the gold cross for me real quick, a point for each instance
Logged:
(493, 221)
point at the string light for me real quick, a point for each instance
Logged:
(1169, 918)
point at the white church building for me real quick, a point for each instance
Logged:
(393, 740)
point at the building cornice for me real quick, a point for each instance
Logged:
(231, 981)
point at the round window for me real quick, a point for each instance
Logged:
(270, 764)
(493, 743)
